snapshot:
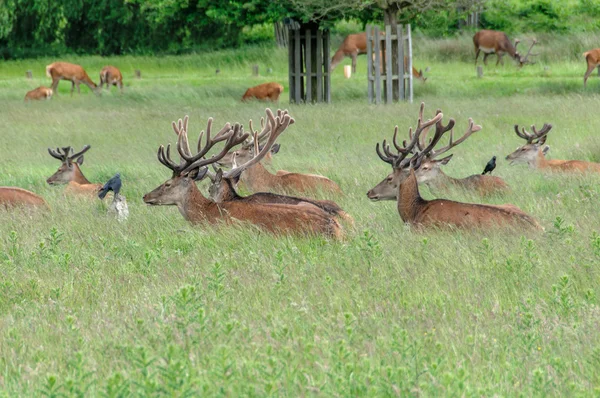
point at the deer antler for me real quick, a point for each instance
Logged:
(66, 156)
(524, 60)
(538, 137)
(472, 128)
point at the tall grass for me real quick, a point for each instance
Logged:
(155, 306)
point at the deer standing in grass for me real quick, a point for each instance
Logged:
(266, 91)
(181, 189)
(495, 42)
(70, 173)
(534, 153)
(39, 93)
(74, 73)
(19, 197)
(222, 183)
(355, 45)
(258, 179)
(592, 58)
(415, 210)
(110, 75)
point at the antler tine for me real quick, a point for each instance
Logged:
(165, 159)
(440, 130)
(386, 158)
(276, 126)
(472, 128)
(394, 139)
(541, 135)
(524, 134)
(180, 129)
(76, 155)
(56, 154)
(233, 139)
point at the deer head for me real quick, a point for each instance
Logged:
(534, 147)
(69, 167)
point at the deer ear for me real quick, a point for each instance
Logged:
(546, 149)
(445, 160)
(219, 175)
(200, 174)
(275, 148)
(80, 160)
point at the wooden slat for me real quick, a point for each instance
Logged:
(319, 65)
(370, 77)
(410, 76)
(308, 60)
(327, 67)
(291, 68)
(401, 71)
(297, 67)
(388, 64)
(377, 64)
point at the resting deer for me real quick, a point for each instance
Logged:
(18, 197)
(181, 189)
(415, 210)
(495, 42)
(70, 173)
(592, 58)
(534, 153)
(266, 91)
(222, 183)
(110, 75)
(74, 73)
(258, 179)
(430, 173)
(39, 94)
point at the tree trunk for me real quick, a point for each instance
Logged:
(390, 17)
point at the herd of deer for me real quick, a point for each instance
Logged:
(413, 161)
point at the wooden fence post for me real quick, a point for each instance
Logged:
(138, 74)
(480, 71)
(29, 74)
(255, 70)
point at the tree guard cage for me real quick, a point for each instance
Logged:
(309, 63)
(389, 78)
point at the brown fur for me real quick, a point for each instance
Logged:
(592, 58)
(110, 75)
(14, 197)
(496, 43)
(65, 71)
(38, 94)
(484, 185)
(266, 91)
(77, 183)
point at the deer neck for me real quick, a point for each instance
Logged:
(194, 207)
(443, 180)
(230, 193)
(78, 176)
(540, 161)
(409, 199)
(256, 176)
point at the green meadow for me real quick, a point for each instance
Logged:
(157, 307)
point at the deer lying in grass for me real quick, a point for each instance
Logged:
(534, 153)
(258, 179)
(181, 189)
(74, 73)
(69, 172)
(222, 184)
(266, 91)
(39, 93)
(18, 197)
(430, 173)
(415, 210)
(110, 75)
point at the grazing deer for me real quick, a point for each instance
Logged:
(266, 91)
(111, 76)
(69, 172)
(495, 42)
(181, 189)
(592, 58)
(534, 153)
(415, 210)
(258, 179)
(17, 197)
(74, 73)
(38, 94)
(356, 44)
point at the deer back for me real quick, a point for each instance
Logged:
(14, 197)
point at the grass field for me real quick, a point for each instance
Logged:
(155, 306)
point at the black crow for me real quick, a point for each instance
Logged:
(490, 166)
(114, 184)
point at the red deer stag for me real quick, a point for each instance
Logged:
(266, 91)
(69, 172)
(39, 93)
(110, 75)
(495, 42)
(258, 179)
(18, 197)
(592, 58)
(534, 153)
(74, 73)
(355, 45)
(415, 210)
(430, 173)
(181, 189)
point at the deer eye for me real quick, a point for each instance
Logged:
(523, 149)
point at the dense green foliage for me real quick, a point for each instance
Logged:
(157, 307)
(30, 28)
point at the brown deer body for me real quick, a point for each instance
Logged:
(70, 173)
(15, 197)
(494, 42)
(534, 152)
(592, 58)
(65, 71)
(266, 91)
(181, 189)
(39, 93)
(110, 75)
(415, 210)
